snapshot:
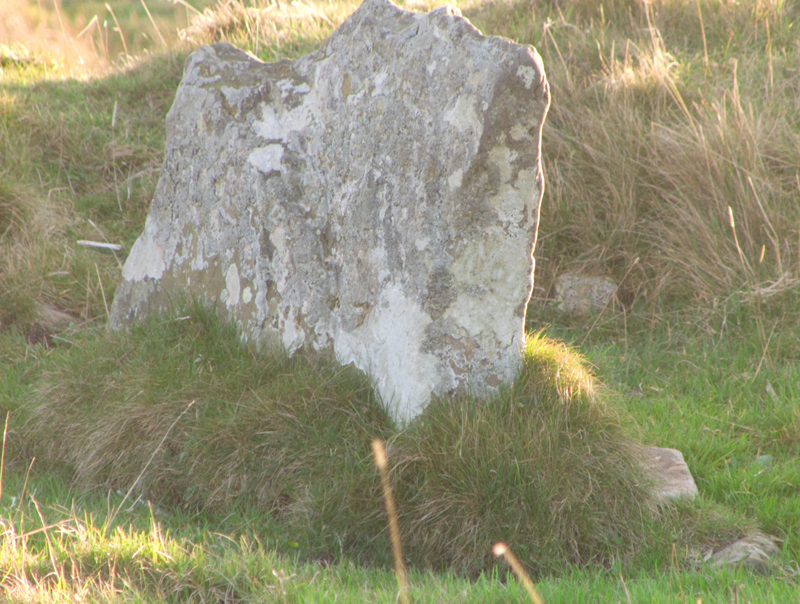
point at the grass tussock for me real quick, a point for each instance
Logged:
(217, 422)
(177, 411)
(547, 466)
(30, 228)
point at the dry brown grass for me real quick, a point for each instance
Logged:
(31, 226)
(665, 115)
(269, 29)
(646, 151)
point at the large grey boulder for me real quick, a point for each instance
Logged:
(378, 198)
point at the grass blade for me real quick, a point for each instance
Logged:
(501, 550)
(394, 530)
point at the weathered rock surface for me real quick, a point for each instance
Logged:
(578, 295)
(378, 198)
(755, 551)
(672, 475)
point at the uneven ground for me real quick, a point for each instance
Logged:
(672, 157)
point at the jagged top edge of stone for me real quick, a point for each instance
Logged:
(227, 51)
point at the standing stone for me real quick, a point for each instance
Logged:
(378, 198)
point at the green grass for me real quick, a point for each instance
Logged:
(178, 412)
(250, 463)
(150, 556)
(668, 118)
(712, 387)
(147, 554)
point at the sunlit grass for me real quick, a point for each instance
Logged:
(148, 557)
(671, 157)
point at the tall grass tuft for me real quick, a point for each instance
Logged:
(31, 229)
(256, 421)
(547, 465)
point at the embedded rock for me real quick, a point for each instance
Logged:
(756, 551)
(672, 476)
(378, 198)
(578, 295)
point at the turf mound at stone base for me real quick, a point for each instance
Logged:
(177, 409)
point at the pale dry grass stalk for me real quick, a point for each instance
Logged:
(63, 33)
(625, 589)
(703, 31)
(3, 455)
(501, 550)
(119, 30)
(158, 31)
(745, 265)
(394, 530)
(50, 548)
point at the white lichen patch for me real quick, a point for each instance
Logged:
(235, 96)
(292, 336)
(267, 159)
(386, 347)
(519, 132)
(462, 114)
(230, 295)
(454, 180)
(502, 157)
(146, 261)
(528, 75)
(280, 125)
(378, 84)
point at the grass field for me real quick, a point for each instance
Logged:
(169, 464)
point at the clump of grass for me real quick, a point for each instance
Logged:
(179, 412)
(254, 422)
(29, 224)
(547, 465)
